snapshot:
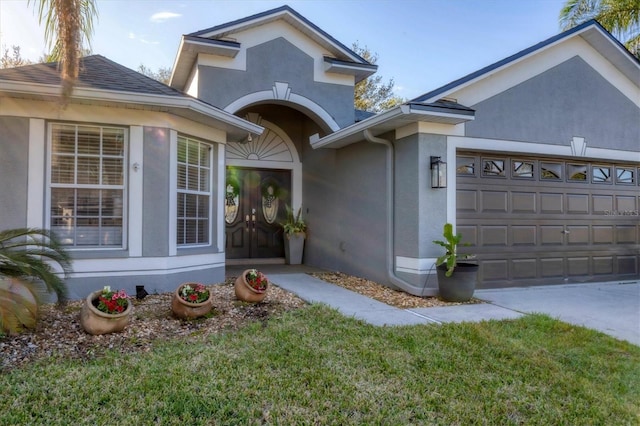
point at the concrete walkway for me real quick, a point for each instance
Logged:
(612, 308)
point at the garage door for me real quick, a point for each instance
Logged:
(533, 221)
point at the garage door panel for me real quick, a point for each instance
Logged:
(469, 235)
(524, 268)
(603, 265)
(495, 270)
(524, 235)
(627, 234)
(523, 202)
(602, 204)
(578, 203)
(551, 203)
(552, 267)
(546, 228)
(467, 201)
(602, 234)
(626, 204)
(494, 201)
(578, 266)
(627, 265)
(494, 236)
(551, 235)
(578, 235)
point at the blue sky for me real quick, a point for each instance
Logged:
(421, 44)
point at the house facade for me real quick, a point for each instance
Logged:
(542, 153)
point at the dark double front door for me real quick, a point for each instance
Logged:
(255, 206)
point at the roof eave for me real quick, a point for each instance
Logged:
(188, 51)
(235, 127)
(392, 119)
(592, 32)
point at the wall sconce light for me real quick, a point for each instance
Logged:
(438, 173)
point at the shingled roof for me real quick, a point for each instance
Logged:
(96, 72)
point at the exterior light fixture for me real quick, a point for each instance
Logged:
(438, 173)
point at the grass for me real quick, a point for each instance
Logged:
(314, 366)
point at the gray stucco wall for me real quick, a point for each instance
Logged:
(275, 61)
(569, 100)
(346, 193)
(155, 200)
(14, 167)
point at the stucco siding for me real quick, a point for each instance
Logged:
(156, 193)
(360, 211)
(275, 61)
(14, 157)
(570, 99)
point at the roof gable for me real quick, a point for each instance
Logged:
(590, 32)
(222, 40)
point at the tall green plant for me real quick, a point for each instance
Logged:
(27, 260)
(450, 243)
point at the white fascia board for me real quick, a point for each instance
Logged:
(382, 118)
(134, 98)
(517, 60)
(361, 126)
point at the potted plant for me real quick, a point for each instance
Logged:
(251, 286)
(456, 280)
(191, 300)
(294, 236)
(105, 311)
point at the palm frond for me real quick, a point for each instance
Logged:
(18, 306)
(30, 253)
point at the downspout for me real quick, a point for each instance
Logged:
(391, 195)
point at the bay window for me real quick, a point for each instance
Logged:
(87, 185)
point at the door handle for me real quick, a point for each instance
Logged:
(253, 220)
(565, 232)
(246, 221)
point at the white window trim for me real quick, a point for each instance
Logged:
(173, 177)
(125, 203)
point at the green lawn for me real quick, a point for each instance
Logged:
(314, 366)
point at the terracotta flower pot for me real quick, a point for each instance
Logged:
(247, 293)
(97, 322)
(187, 310)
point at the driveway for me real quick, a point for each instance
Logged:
(612, 308)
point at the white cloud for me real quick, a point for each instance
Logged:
(141, 38)
(163, 16)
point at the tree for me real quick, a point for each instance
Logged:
(13, 60)
(26, 273)
(163, 75)
(371, 94)
(620, 17)
(68, 25)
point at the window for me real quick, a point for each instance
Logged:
(522, 169)
(194, 191)
(493, 168)
(86, 185)
(577, 172)
(625, 175)
(550, 171)
(600, 174)
(465, 166)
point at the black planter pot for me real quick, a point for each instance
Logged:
(459, 287)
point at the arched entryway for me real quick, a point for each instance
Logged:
(263, 177)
